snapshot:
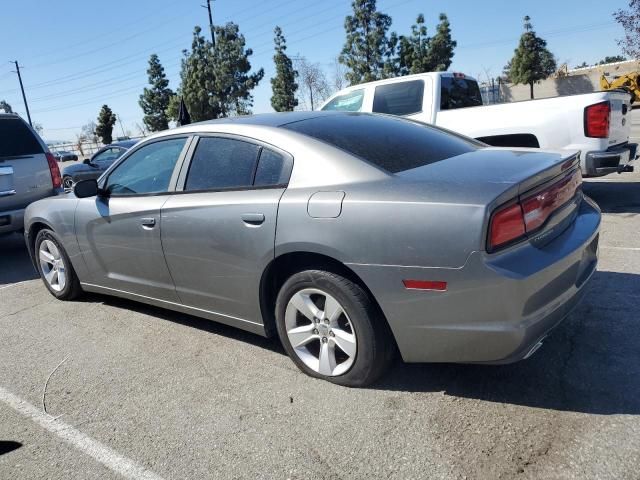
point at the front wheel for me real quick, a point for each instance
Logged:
(55, 268)
(331, 329)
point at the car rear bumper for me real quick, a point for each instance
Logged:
(498, 307)
(11, 221)
(613, 160)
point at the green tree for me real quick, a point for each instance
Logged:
(366, 45)
(613, 59)
(582, 65)
(441, 47)
(154, 101)
(630, 21)
(531, 62)
(284, 84)
(215, 81)
(413, 51)
(106, 121)
(5, 106)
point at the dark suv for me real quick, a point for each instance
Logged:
(28, 171)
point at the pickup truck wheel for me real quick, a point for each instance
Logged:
(55, 268)
(67, 182)
(331, 329)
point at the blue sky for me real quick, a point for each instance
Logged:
(78, 55)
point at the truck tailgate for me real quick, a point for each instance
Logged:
(620, 121)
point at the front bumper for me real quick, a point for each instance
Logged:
(11, 221)
(497, 307)
(612, 160)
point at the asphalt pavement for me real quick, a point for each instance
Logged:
(138, 392)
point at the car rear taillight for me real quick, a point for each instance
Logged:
(596, 120)
(507, 225)
(56, 179)
(513, 222)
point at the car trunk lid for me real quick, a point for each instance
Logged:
(546, 183)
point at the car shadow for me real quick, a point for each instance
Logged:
(614, 196)
(590, 363)
(8, 446)
(15, 264)
(191, 321)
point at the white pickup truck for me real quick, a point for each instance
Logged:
(597, 124)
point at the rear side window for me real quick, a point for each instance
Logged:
(17, 139)
(220, 163)
(391, 143)
(273, 169)
(459, 93)
(349, 102)
(401, 98)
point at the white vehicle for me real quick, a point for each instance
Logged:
(597, 124)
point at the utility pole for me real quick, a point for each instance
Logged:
(24, 97)
(213, 37)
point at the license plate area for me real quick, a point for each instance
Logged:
(6, 181)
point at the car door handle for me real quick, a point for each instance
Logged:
(148, 222)
(253, 218)
(6, 193)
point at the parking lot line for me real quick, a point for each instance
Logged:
(98, 451)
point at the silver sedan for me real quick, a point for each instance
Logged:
(349, 236)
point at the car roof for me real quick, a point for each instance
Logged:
(265, 119)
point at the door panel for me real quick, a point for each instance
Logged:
(217, 244)
(121, 245)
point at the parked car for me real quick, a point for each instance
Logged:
(28, 171)
(348, 235)
(64, 156)
(96, 165)
(598, 124)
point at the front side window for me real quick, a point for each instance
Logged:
(222, 163)
(400, 98)
(348, 102)
(147, 170)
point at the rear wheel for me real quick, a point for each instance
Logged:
(331, 329)
(55, 267)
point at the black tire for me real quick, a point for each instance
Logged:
(72, 288)
(375, 343)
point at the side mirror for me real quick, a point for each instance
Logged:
(86, 161)
(86, 188)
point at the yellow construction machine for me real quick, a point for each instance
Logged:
(629, 82)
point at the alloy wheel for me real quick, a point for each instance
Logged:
(52, 265)
(320, 332)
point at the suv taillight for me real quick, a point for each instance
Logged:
(596, 120)
(511, 223)
(56, 179)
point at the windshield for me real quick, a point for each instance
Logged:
(348, 102)
(459, 93)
